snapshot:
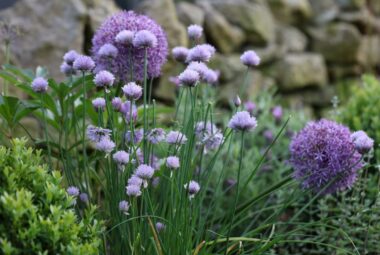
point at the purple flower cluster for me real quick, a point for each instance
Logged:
(324, 157)
(172, 162)
(176, 137)
(101, 137)
(192, 188)
(99, 104)
(68, 61)
(40, 85)
(132, 91)
(362, 142)
(104, 79)
(156, 135)
(208, 135)
(83, 64)
(140, 177)
(242, 121)
(250, 58)
(121, 158)
(131, 34)
(124, 207)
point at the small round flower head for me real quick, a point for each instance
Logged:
(175, 137)
(138, 136)
(237, 101)
(277, 113)
(116, 103)
(73, 191)
(156, 135)
(126, 110)
(144, 39)
(99, 103)
(160, 227)
(132, 91)
(324, 158)
(193, 188)
(208, 135)
(362, 142)
(133, 190)
(135, 181)
(144, 172)
(40, 85)
(250, 106)
(121, 157)
(70, 57)
(199, 67)
(124, 206)
(194, 32)
(189, 78)
(199, 53)
(209, 48)
(67, 69)
(104, 79)
(125, 37)
(242, 121)
(84, 197)
(83, 63)
(210, 77)
(105, 145)
(172, 162)
(250, 58)
(95, 134)
(180, 54)
(108, 51)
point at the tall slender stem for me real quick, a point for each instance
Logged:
(145, 105)
(46, 133)
(84, 134)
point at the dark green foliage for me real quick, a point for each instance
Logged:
(36, 214)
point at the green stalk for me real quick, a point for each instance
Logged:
(145, 104)
(46, 133)
(84, 134)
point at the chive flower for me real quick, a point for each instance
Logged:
(99, 104)
(104, 79)
(242, 121)
(40, 85)
(250, 58)
(83, 64)
(132, 91)
(194, 32)
(362, 142)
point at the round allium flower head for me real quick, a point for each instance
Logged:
(70, 57)
(362, 142)
(83, 63)
(135, 180)
(95, 134)
(133, 190)
(124, 206)
(121, 157)
(156, 135)
(242, 121)
(144, 172)
(172, 162)
(99, 104)
(189, 78)
(193, 188)
(117, 103)
(250, 106)
(180, 53)
(105, 145)
(138, 135)
(84, 197)
(104, 79)
(108, 50)
(277, 113)
(40, 85)
(208, 135)
(175, 137)
(67, 69)
(160, 227)
(199, 53)
(121, 67)
(125, 37)
(73, 191)
(199, 67)
(210, 77)
(132, 91)
(250, 58)
(194, 32)
(144, 39)
(126, 110)
(324, 157)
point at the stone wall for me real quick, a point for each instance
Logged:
(306, 46)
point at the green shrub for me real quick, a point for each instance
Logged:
(36, 214)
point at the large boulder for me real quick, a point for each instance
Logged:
(351, 4)
(189, 14)
(293, 39)
(369, 51)
(338, 42)
(363, 19)
(374, 6)
(291, 11)
(324, 11)
(301, 70)
(229, 66)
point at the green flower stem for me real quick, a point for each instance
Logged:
(46, 133)
(145, 105)
(84, 135)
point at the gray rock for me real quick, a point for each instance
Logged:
(351, 4)
(296, 71)
(98, 11)
(224, 36)
(363, 19)
(293, 39)
(315, 97)
(338, 72)
(324, 11)
(270, 53)
(229, 66)
(338, 43)
(369, 51)
(190, 14)
(291, 11)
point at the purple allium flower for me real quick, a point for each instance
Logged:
(172, 162)
(116, 103)
(95, 134)
(73, 191)
(210, 77)
(362, 142)
(250, 106)
(193, 188)
(160, 227)
(67, 69)
(105, 145)
(237, 101)
(144, 39)
(175, 81)
(99, 104)
(175, 137)
(199, 53)
(70, 57)
(40, 85)
(121, 158)
(250, 58)
(242, 121)
(83, 63)
(322, 154)
(208, 135)
(277, 113)
(156, 135)
(126, 110)
(135, 180)
(144, 172)
(133, 190)
(189, 78)
(124, 206)
(108, 50)
(84, 198)
(104, 79)
(125, 37)
(138, 135)
(121, 67)
(132, 91)
(180, 53)
(194, 32)
(200, 67)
